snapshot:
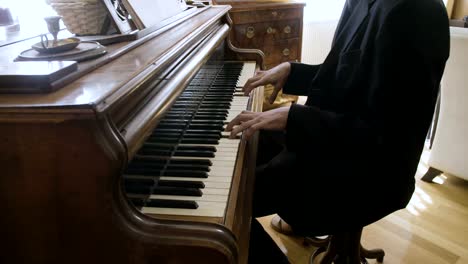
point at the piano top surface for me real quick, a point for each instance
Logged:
(97, 86)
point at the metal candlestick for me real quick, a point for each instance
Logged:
(53, 26)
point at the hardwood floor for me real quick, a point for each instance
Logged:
(432, 229)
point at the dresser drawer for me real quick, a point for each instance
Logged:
(256, 35)
(254, 16)
(281, 51)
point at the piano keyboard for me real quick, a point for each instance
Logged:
(186, 165)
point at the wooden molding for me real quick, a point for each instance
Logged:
(449, 6)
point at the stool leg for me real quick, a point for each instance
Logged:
(316, 241)
(353, 247)
(324, 255)
(344, 248)
(377, 254)
(431, 174)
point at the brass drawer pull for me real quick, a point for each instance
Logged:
(250, 32)
(271, 30)
(287, 29)
(286, 52)
(274, 13)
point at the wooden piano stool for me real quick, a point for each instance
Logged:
(342, 248)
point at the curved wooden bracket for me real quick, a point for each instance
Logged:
(244, 54)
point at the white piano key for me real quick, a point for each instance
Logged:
(248, 70)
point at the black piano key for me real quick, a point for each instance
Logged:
(214, 106)
(174, 148)
(196, 148)
(213, 98)
(190, 140)
(138, 189)
(138, 202)
(208, 117)
(200, 135)
(194, 111)
(190, 167)
(135, 164)
(185, 173)
(186, 184)
(138, 186)
(180, 191)
(168, 147)
(197, 161)
(163, 139)
(155, 152)
(205, 162)
(164, 133)
(142, 181)
(206, 126)
(146, 171)
(163, 203)
(194, 126)
(212, 111)
(194, 153)
(170, 167)
(135, 183)
(207, 141)
(156, 165)
(179, 126)
(191, 121)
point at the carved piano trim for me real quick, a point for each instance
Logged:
(242, 53)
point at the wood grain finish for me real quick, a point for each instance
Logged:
(460, 9)
(103, 82)
(275, 27)
(432, 229)
(268, 26)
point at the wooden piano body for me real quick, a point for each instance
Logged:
(62, 155)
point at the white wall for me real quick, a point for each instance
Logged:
(322, 10)
(320, 21)
(30, 13)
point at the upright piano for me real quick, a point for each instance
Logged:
(125, 160)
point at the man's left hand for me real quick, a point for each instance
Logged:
(249, 122)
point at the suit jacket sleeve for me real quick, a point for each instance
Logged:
(299, 78)
(400, 79)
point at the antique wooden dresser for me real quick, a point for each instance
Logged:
(275, 27)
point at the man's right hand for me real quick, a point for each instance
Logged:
(276, 76)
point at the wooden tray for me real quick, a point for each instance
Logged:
(33, 76)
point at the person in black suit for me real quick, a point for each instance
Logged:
(348, 157)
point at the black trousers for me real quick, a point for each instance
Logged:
(262, 247)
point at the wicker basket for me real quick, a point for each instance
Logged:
(85, 17)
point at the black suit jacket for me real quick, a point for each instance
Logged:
(360, 135)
